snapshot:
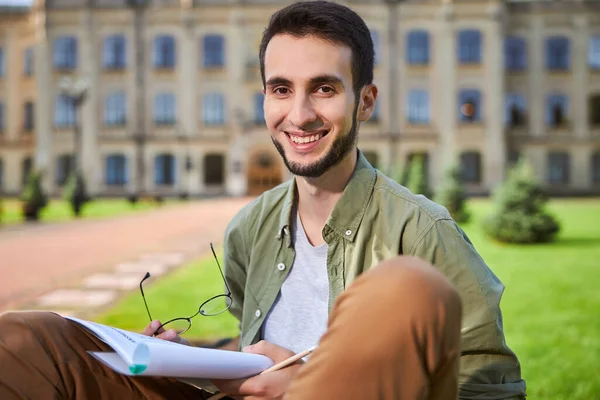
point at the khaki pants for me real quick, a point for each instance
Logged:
(394, 334)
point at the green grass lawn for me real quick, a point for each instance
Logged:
(550, 306)
(60, 210)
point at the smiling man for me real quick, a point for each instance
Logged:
(391, 290)
(383, 280)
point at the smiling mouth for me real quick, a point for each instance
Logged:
(306, 139)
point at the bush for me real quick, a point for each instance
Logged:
(76, 193)
(452, 195)
(33, 196)
(520, 215)
(417, 181)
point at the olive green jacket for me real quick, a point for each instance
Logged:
(374, 219)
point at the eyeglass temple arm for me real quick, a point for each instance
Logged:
(220, 270)
(144, 297)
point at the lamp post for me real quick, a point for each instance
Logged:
(76, 90)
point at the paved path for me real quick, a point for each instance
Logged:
(37, 261)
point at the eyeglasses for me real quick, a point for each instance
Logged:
(213, 306)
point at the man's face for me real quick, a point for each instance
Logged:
(310, 107)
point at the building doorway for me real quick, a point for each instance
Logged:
(264, 172)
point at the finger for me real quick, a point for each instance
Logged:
(152, 328)
(170, 335)
(271, 350)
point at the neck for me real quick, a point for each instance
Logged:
(317, 196)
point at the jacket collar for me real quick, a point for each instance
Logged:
(348, 211)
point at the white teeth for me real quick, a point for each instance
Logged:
(306, 139)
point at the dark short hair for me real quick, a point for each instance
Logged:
(329, 21)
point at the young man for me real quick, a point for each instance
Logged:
(341, 256)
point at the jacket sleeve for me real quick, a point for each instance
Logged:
(488, 368)
(235, 257)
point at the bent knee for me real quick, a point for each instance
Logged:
(412, 279)
(30, 320)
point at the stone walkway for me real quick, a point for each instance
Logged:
(80, 267)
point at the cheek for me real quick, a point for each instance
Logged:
(274, 113)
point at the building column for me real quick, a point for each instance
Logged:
(236, 158)
(43, 106)
(187, 102)
(90, 158)
(580, 93)
(494, 157)
(444, 95)
(536, 73)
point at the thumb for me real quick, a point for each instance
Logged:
(271, 350)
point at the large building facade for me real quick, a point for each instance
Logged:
(172, 97)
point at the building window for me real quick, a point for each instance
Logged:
(28, 62)
(557, 53)
(115, 109)
(26, 166)
(214, 51)
(164, 52)
(259, 114)
(417, 47)
(65, 53)
(64, 165)
(469, 105)
(594, 52)
(164, 109)
(418, 107)
(594, 110)
(469, 46)
(372, 157)
(164, 169)
(214, 169)
(596, 168)
(28, 117)
(2, 62)
(2, 117)
(115, 170)
(376, 46)
(515, 54)
(557, 107)
(514, 110)
(558, 167)
(470, 162)
(213, 109)
(114, 52)
(64, 111)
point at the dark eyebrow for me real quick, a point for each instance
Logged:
(278, 80)
(317, 80)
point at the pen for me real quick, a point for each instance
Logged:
(275, 367)
(289, 361)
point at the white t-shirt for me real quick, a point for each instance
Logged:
(299, 315)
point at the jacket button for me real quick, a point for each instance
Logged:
(348, 232)
(257, 313)
(281, 266)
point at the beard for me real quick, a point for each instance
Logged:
(340, 148)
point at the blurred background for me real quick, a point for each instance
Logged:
(131, 131)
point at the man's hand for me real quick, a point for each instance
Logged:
(170, 335)
(272, 385)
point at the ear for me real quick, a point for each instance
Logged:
(368, 96)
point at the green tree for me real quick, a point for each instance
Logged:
(76, 192)
(416, 180)
(519, 210)
(33, 196)
(452, 195)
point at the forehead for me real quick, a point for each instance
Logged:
(297, 58)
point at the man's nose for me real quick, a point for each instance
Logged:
(302, 112)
